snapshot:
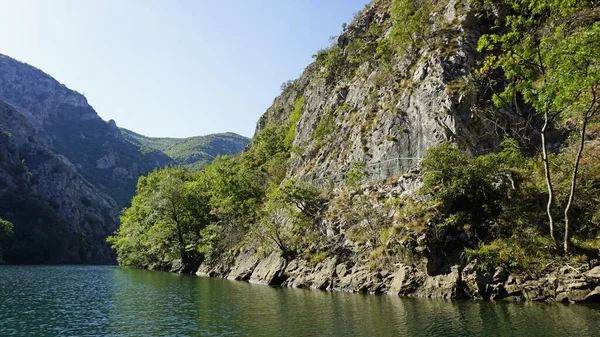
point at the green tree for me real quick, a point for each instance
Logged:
(289, 217)
(164, 220)
(473, 191)
(575, 83)
(6, 230)
(548, 51)
(411, 27)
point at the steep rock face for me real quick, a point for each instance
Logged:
(349, 106)
(59, 217)
(385, 109)
(70, 126)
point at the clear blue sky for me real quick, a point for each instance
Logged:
(173, 68)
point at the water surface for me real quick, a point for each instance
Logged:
(102, 300)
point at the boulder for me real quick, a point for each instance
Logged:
(540, 290)
(243, 267)
(270, 270)
(361, 280)
(441, 286)
(405, 281)
(299, 274)
(593, 296)
(593, 273)
(324, 274)
(475, 282)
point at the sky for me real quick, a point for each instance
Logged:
(173, 68)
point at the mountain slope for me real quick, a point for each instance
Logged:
(65, 173)
(193, 153)
(71, 127)
(58, 216)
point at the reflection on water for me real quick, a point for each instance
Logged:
(92, 300)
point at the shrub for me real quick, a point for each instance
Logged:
(293, 121)
(324, 129)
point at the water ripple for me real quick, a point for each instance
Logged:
(111, 301)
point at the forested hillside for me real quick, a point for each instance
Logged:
(192, 153)
(490, 107)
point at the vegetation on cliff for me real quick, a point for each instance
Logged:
(536, 82)
(177, 215)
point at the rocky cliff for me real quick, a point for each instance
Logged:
(386, 105)
(361, 102)
(69, 125)
(58, 216)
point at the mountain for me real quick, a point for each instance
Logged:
(65, 173)
(58, 216)
(192, 153)
(71, 127)
(386, 105)
(110, 158)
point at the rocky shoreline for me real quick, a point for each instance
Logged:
(568, 284)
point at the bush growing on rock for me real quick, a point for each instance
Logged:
(493, 205)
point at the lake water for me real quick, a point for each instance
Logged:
(102, 300)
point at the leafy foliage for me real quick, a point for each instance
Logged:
(324, 129)
(411, 29)
(293, 121)
(6, 230)
(357, 172)
(549, 53)
(289, 216)
(493, 205)
(191, 217)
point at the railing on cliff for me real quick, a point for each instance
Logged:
(370, 172)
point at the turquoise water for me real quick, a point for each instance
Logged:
(102, 300)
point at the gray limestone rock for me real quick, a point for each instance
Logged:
(269, 270)
(243, 267)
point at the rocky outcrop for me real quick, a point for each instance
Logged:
(269, 270)
(565, 284)
(244, 265)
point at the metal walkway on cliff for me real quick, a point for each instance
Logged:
(368, 172)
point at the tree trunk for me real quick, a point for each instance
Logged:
(181, 244)
(573, 183)
(175, 217)
(548, 177)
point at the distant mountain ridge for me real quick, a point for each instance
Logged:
(192, 153)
